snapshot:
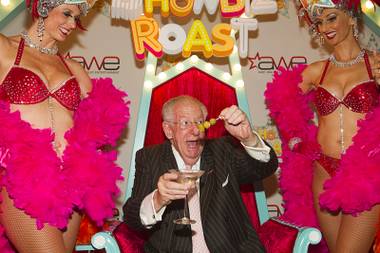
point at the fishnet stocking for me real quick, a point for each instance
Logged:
(328, 222)
(356, 234)
(23, 234)
(344, 233)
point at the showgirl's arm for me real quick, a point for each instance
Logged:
(81, 76)
(311, 76)
(375, 65)
(5, 57)
(4, 43)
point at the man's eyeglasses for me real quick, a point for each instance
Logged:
(185, 124)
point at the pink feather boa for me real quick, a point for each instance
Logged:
(290, 110)
(48, 188)
(354, 188)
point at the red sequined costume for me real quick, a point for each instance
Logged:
(23, 86)
(84, 177)
(359, 165)
(361, 99)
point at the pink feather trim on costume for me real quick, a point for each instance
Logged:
(290, 109)
(47, 188)
(32, 174)
(98, 123)
(355, 187)
(291, 112)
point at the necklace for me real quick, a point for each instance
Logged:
(44, 50)
(346, 64)
(52, 123)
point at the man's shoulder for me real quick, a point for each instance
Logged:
(151, 149)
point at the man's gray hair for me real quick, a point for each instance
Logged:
(168, 107)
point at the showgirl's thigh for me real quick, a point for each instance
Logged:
(26, 238)
(328, 222)
(71, 234)
(356, 234)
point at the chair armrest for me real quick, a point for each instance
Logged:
(118, 238)
(102, 240)
(305, 236)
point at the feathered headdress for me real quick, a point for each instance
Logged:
(310, 9)
(41, 8)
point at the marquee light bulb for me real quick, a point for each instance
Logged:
(5, 2)
(369, 5)
(240, 83)
(237, 67)
(194, 58)
(179, 66)
(148, 84)
(162, 75)
(226, 76)
(150, 67)
(209, 66)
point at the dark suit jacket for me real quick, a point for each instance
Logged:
(225, 221)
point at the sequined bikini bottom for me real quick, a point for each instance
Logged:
(330, 164)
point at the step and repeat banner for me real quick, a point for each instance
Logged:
(106, 49)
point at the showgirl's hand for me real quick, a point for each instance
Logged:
(168, 189)
(376, 66)
(237, 124)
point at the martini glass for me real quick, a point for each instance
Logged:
(187, 176)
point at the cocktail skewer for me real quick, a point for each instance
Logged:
(208, 123)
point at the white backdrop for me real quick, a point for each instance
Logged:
(106, 50)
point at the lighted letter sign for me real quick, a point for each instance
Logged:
(173, 40)
(145, 34)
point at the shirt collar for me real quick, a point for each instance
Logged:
(181, 164)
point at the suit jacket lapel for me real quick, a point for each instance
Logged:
(180, 234)
(207, 180)
(168, 160)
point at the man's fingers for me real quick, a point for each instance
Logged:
(227, 112)
(171, 176)
(173, 194)
(236, 118)
(176, 196)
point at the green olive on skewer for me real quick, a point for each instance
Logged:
(207, 124)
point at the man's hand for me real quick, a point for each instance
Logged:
(168, 189)
(237, 124)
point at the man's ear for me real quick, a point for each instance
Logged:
(167, 130)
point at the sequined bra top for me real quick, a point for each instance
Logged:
(23, 86)
(361, 99)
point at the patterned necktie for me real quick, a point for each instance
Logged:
(199, 243)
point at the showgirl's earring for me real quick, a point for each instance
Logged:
(355, 31)
(321, 39)
(40, 28)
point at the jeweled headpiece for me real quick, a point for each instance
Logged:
(310, 9)
(41, 8)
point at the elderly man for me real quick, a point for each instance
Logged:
(222, 223)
